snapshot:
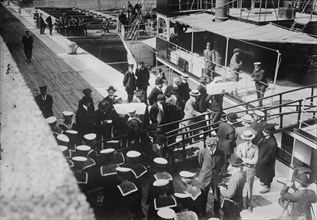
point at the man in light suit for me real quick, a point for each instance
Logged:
(211, 161)
(233, 194)
(191, 110)
(249, 154)
(226, 134)
(129, 82)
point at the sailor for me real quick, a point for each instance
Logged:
(67, 153)
(258, 124)
(259, 77)
(137, 168)
(134, 125)
(166, 213)
(184, 205)
(73, 139)
(90, 140)
(68, 123)
(52, 123)
(80, 175)
(45, 102)
(62, 139)
(233, 194)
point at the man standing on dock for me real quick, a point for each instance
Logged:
(129, 82)
(143, 76)
(259, 77)
(27, 41)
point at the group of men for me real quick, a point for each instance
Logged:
(41, 24)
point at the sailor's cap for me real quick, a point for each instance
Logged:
(133, 154)
(166, 213)
(83, 147)
(160, 182)
(67, 113)
(71, 132)
(62, 147)
(63, 138)
(257, 63)
(181, 195)
(160, 160)
(51, 120)
(123, 169)
(131, 109)
(90, 136)
(187, 174)
(107, 151)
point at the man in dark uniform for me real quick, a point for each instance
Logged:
(49, 24)
(184, 90)
(155, 91)
(158, 112)
(45, 102)
(42, 24)
(27, 41)
(143, 76)
(265, 167)
(129, 82)
(36, 17)
(85, 118)
(259, 77)
(87, 96)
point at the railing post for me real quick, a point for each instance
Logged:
(312, 100)
(184, 150)
(280, 110)
(299, 110)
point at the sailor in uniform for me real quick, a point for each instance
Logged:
(166, 213)
(73, 139)
(134, 125)
(184, 205)
(137, 168)
(62, 139)
(67, 123)
(52, 123)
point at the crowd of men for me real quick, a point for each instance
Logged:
(113, 175)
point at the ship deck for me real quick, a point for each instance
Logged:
(67, 75)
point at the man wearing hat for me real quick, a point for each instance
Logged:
(27, 42)
(155, 91)
(143, 77)
(184, 89)
(248, 152)
(67, 123)
(173, 88)
(85, 117)
(211, 161)
(246, 122)
(259, 77)
(45, 102)
(87, 96)
(235, 65)
(265, 167)
(257, 124)
(111, 97)
(134, 125)
(52, 121)
(204, 97)
(158, 112)
(301, 199)
(233, 194)
(226, 134)
(210, 61)
(191, 109)
(129, 82)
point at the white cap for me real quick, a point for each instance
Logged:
(166, 213)
(181, 195)
(123, 169)
(259, 113)
(257, 63)
(67, 113)
(131, 109)
(90, 137)
(160, 160)
(185, 76)
(107, 151)
(78, 158)
(160, 182)
(51, 120)
(187, 174)
(62, 147)
(83, 147)
(63, 138)
(133, 154)
(71, 132)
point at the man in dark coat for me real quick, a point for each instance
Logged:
(27, 41)
(85, 118)
(211, 161)
(87, 96)
(42, 24)
(265, 167)
(155, 91)
(204, 97)
(111, 98)
(226, 134)
(129, 82)
(301, 199)
(143, 76)
(259, 77)
(184, 90)
(257, 124)
(49, 24)
(173, 88)
(158, 112)
(45, 102)
(233, 195)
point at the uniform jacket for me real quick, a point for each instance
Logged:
(153, 95)
(129, 81)
(226, 134)
(259, 77)
(27, 42)
(191, 110)
(45, 105)
(210, 166)
(143, 76)
(265, 167)
(235, 188)
(301, 201)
